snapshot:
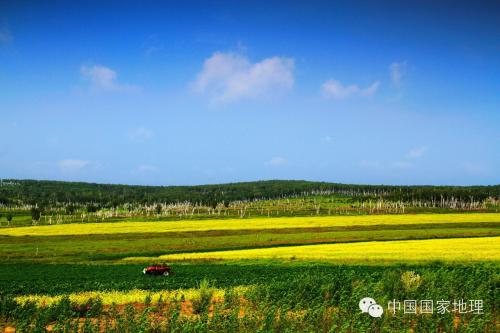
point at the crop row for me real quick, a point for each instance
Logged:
(443, 279)
(454, 249)
(249, 224)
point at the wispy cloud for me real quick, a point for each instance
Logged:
(474, 168)
(406, 162)
(71, 165)
(377, 165)
(417, 152)
(152, 45)
(141, 134)
(228, 77)
(276, 161)
(104, 79)
(397, 71)
(335, 89)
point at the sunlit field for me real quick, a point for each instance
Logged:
(303, 273)
(127, 297)
(464, 250)
(247, 224)
(239, 274)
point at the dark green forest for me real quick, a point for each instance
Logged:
(50, 193)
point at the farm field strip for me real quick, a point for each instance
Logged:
(60, 279)
(117, 246)
(245, 232)
(127, 296)
(297, 292)
(455, 250)
(246, 224)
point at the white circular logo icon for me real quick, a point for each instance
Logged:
(368, 305)
(375, 311)
(365, 303)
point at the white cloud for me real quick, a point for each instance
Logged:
(335, 89)
(71, 165)
(227, 77)
(276, 161)
(141, 134)
(417, 152)
(145, 168)
(397, 70)
(104, 79)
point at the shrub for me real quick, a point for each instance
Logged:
(411, 281)
(202, 300)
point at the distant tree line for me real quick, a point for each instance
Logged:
(93, 196)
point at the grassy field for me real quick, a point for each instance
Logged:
(303, 273)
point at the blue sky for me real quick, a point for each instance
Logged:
(208, 92)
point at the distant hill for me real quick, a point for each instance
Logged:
(13, 191)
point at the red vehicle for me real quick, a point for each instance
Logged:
(158, 270)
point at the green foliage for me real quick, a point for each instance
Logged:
(36, 213)
(51, 192)
(66, 202)
(336, 280)
(319, 299)
(411, 281)
(91, 208)
(70, 209)
(202, 301)
(93, 307)
(280, 297)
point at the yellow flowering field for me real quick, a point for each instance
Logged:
(247, 224)
(454, 249)
(127, 297)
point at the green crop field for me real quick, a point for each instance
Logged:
(301, 273)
